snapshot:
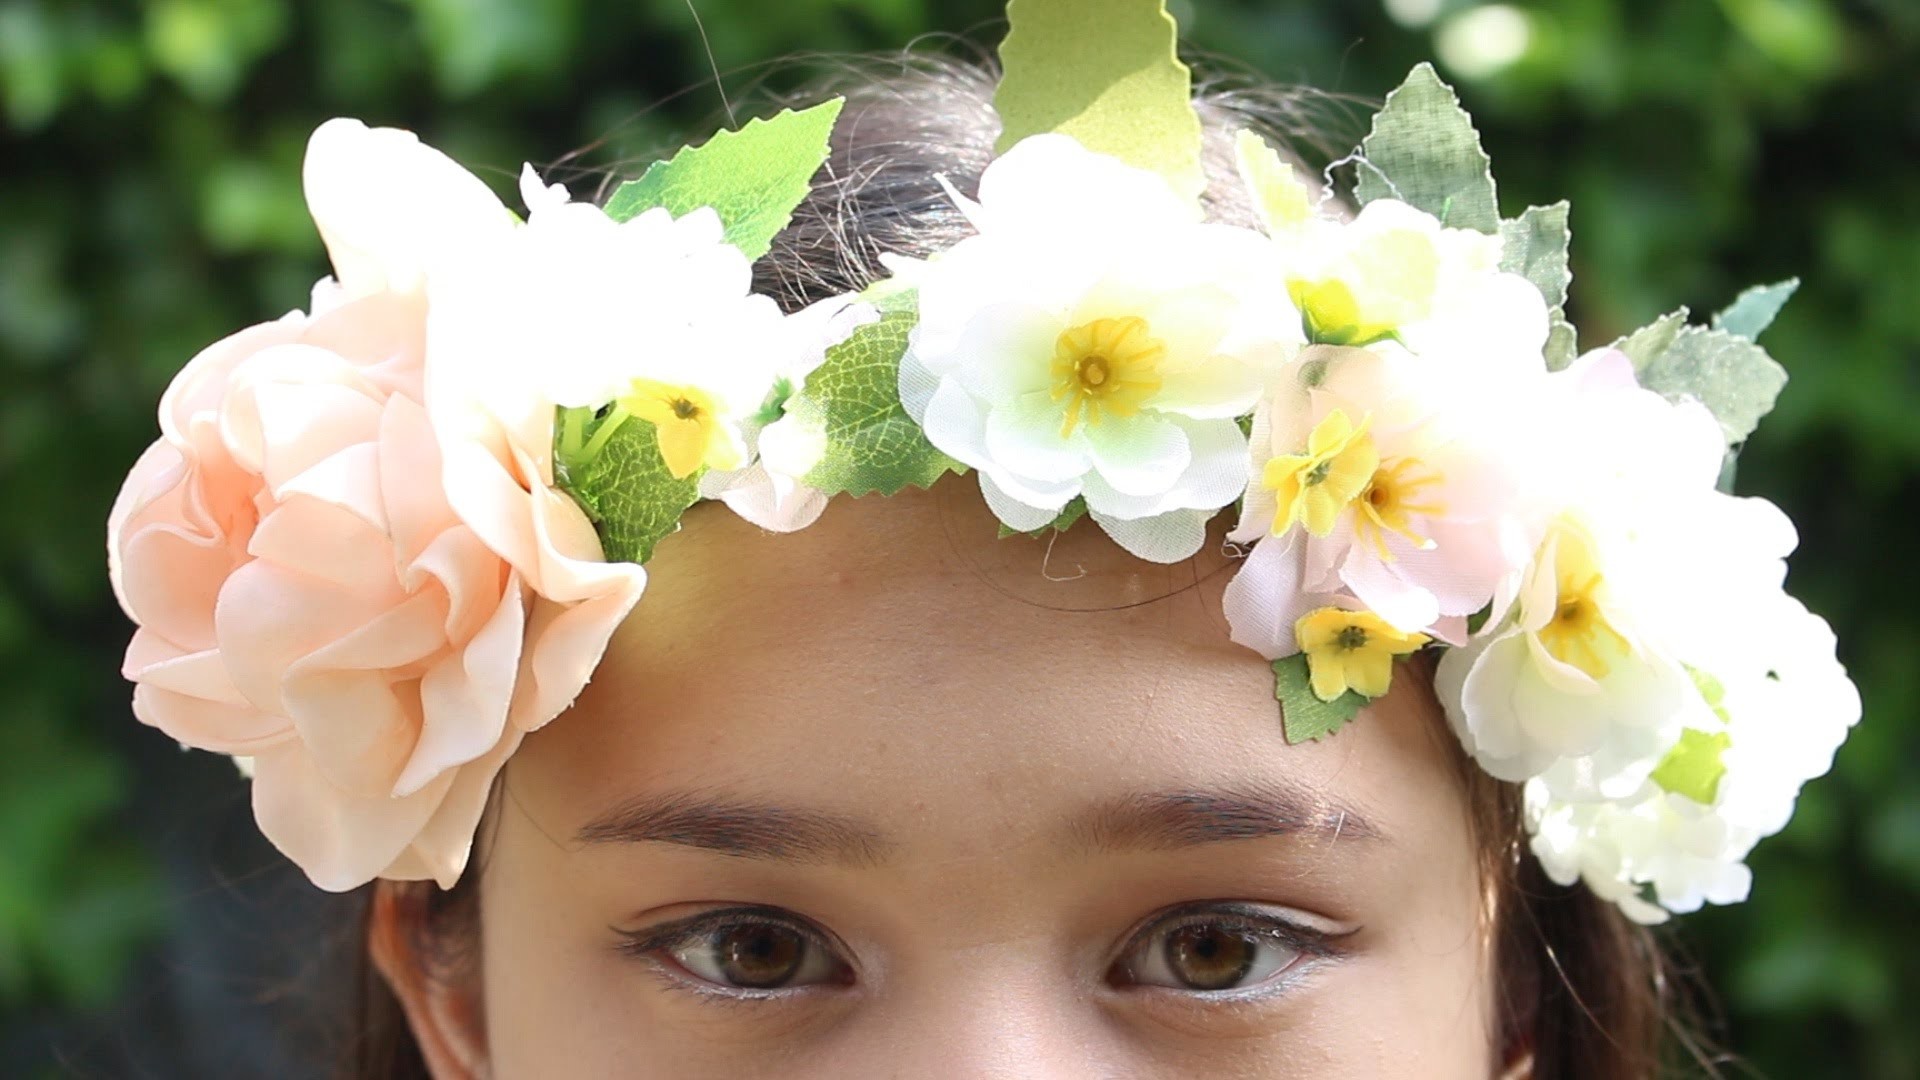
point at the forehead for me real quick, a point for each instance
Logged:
(899, 659)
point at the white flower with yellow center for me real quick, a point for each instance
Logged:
(653, 316)
(1582, 674)
(1389, 475)
(1096, 340)
(1680, 840)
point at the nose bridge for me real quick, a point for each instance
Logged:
(1009, 1010)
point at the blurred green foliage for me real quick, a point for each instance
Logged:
(151, 204)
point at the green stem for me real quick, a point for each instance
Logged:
(591, 452)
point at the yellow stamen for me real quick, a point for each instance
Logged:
(1314, 487)
(1579, 633)
(1392, 497)
(1107, 366)
(689, 425)
(1351, 650)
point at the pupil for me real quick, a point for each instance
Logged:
(759, 957)
(1208, 958)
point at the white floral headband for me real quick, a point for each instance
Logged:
(379, 542)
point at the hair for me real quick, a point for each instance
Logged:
(1582, 991)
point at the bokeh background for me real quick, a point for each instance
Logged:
(150, 203)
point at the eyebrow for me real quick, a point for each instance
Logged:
(743, 829)
(1151, 821)
(1169, 820)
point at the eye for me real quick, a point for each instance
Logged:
(750, 950)
(1217, 949)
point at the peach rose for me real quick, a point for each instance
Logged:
(305, 593)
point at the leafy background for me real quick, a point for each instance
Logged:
(149, 203)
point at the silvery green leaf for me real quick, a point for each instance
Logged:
(1754, 310)
(1733, 377)
(1534, 245)
(1425, 152)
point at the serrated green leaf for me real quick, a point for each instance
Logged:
(627, 491)
(1075, 509)
(1424, 151)
(1651, 340)
(753, 178)
(1105, 72)
(1534, 245)
(1304, 716)
(852, 401)
(1693, 767)
(1754, 310)
(1733, 377)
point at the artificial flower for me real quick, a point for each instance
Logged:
(1351, 650)
(1095, 340)
(771, 490)
(1387, 475)
(306, 596)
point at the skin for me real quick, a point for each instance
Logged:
(994, 754)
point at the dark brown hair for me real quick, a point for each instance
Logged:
(1585, 992)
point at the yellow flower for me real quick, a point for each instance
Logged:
(1579, 632)
(1351, 650)
(691, 430)
(1314, 487)
(1106, 366)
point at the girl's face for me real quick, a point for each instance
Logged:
(892, 797)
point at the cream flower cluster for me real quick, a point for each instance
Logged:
(1374, 395)
(347, 555)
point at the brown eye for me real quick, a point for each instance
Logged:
(757, 957)
(1217, 949)
(736, 952)
(1210, 957)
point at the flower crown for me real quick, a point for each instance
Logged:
(379, 542)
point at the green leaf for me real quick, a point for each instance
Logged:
(1283, 202)
(1734, 378)
(1563, 343)
(1105, 72)
(1425, 152)
(628, 492)
(753, 178)
(1693, 767)
(1651, 340)
(1075, 509)
(1534, 245)
(853, 402)
(1304, 715)
(1754, 310)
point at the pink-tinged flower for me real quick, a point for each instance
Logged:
(305, 592)
(1384, 479)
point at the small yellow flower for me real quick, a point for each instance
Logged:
(1351, 650)
(692, 433)
(1314, 487)
(1106, 366)
(1579, 632)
